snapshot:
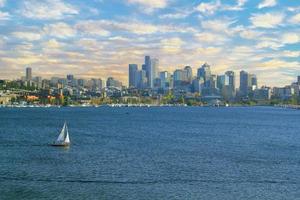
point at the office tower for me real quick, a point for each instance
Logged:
(178, 77)
(70, 80)
(298, 80)
(82, 82)
(197, 85)
(165, 79)
(141, 79)
(222, 81)
(188, 74)
(205, 73)
(28, 74)
(96, 84)
(132, 70)
(244, 83)
(147, 67)
(155, 68)
(152, 68)
(112, 83)
(248, 83)
(231, 78)
(253, 83)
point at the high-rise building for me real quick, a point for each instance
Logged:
(248, 83)
(132, 70)
(111, 82)
(147, 67)
(28, 74)
(298, 80)
(165, 79)
(244, 83)
(222, 81)
(71, 81)
(178, 77)
(140, 79)
(152, 69)
(188, 74)
(205, 73)
(231, 78)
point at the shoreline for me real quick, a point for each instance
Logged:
(297, 107)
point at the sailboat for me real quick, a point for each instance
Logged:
(63, 139)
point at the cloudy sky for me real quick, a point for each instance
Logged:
(99, 38)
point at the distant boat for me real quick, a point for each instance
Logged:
(63, 139)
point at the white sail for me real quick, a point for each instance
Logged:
(61, 136)
(67, 139)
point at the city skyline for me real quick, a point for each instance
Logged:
(99, 38)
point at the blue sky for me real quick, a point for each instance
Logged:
(99, 38)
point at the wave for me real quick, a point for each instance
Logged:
(167, 181)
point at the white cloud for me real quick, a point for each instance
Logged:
(150, 6)
(239, 6)
(290, 38)
(218, 25)
(211, 38)
(269, 44)
(4, 16)
(174, 15)
(48, 9)
(267, 20)
(295, 19)
(91, 28)
(172, 45)
(209, 8)
(250, 34)
(291, 54)
(59, 30)
(30, 36)
(267, 3)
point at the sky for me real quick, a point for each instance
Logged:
(99, 38)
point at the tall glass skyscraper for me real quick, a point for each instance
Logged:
(132, 75)
(28, 74)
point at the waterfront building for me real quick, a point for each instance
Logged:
(132, 75)
(112, 83)
(28, 74)
(165, 79)
(97, 84)
(188, 73)
(197, 85)
(283, 93)
(178, 78)
(248, 83)
(263, 93)
(205, 73)
(231, 79)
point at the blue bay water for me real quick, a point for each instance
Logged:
(151, 153)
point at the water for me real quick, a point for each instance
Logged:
(151, 153)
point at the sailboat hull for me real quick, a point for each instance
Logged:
(61, 145)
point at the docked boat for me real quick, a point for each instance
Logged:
(63, 139)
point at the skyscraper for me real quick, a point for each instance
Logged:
(248, 83)
(205, 73)
(244, 83)
(147, 68)
(178, 77)
(188, 73)
(132, 70)
(28, 74)
(152, 68)
(231, 78)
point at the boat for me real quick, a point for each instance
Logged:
(63, 139)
